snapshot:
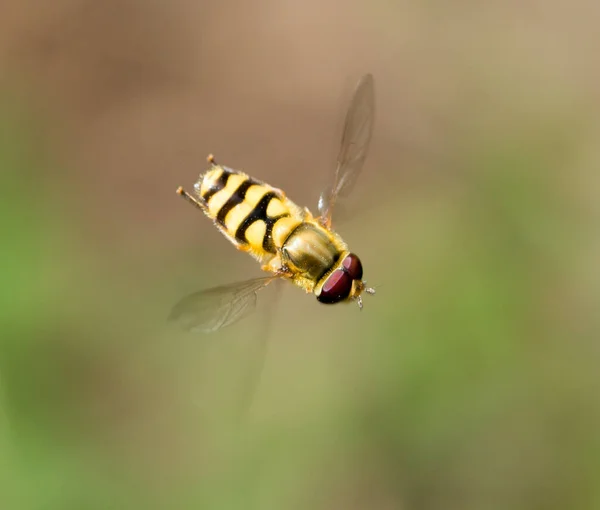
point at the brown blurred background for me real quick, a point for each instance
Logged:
(469, 381)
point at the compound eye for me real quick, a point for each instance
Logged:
(353, 266)
(336, 288)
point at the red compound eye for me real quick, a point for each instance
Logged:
(353, 266)
(336, 288)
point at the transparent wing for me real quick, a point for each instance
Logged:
(256, 362)
(215, 308)
(358, 128)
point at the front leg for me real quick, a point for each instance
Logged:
(276, 266)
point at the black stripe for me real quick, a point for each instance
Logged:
(268, 239)
(236, 198)
(260, 213)
(218, 186)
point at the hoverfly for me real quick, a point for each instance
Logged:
(288, 241)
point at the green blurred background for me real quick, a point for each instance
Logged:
(470, 381)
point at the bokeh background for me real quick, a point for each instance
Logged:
(470, 381)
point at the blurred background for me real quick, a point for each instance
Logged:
(470, 381)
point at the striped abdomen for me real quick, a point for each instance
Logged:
(252, 214)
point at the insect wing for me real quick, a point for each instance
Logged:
(356, 136)
(212, 309)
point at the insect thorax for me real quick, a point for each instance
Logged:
(312, 251)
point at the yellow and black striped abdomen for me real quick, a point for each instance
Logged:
(246, 210)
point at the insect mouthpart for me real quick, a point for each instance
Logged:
(361, 288)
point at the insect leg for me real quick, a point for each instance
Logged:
(189, 198)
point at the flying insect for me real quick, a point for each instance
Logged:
(286, 239)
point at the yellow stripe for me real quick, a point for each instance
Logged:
(218, 199)
(255, 234)
(283, 228)
(276, 207)
(210, 180)
(254, 194)
(238, 214)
